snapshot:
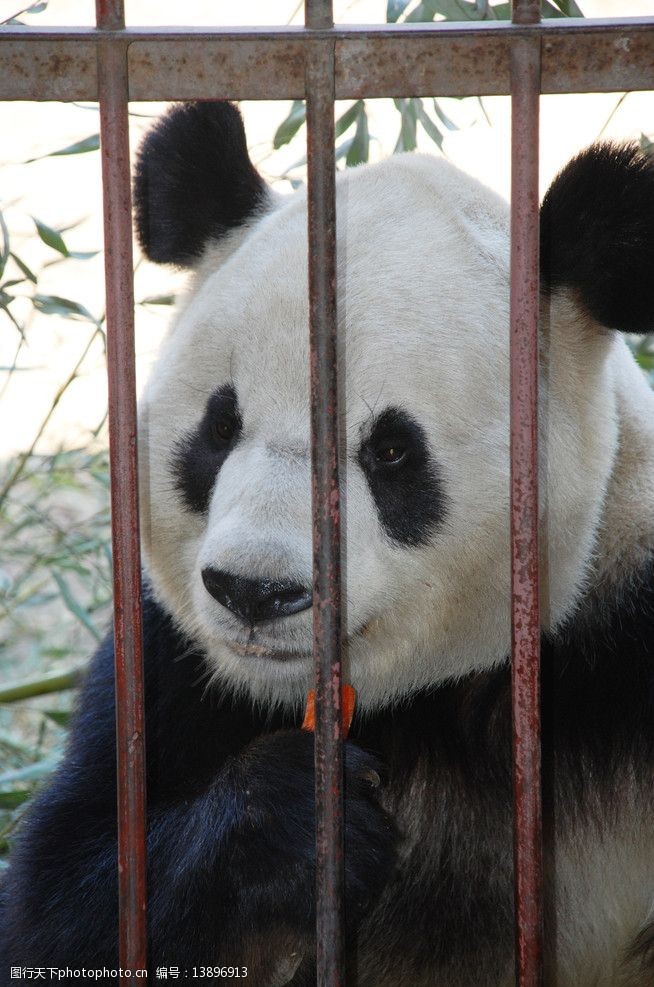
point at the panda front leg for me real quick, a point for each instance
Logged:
(232, 874)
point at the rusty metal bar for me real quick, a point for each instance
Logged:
(110, 14)
(130, 725)
(448, 59)
(525, 624)
(327, 631)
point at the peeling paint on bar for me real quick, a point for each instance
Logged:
(130, 715)
(525, 623)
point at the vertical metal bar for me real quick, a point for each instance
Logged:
(525, 96)
(325, 499)
(130, 732)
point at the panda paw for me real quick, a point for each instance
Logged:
(275, 776)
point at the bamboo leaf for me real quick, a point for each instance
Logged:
(548, 10)
(450, 10)
(569, 8)
(428, 124)
(290, 126)
(66, 307)
(51, 238)
(407, 137)
(4, 253)
(346, 120)
(83, 254)
(360, 147)
(42, 686)
(395, 9)
(31, 772)
(59, 716)
(90, 143)
(158, 300)
(11, 800)
(443, 117)
(29, 274)
(74, 606)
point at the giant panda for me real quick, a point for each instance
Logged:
(225, 477)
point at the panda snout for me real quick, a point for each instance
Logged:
(256, 599)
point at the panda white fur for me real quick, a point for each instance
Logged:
(423, 317)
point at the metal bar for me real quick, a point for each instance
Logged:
(130, 725)
(327, 641)
(389, 60)
(110, 14)
(525, 678)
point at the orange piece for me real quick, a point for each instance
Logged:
(348, 700)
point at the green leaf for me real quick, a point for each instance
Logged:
(55, 305)
(290, 126)
(395, 9)
(31, 772)
(443, 117)
(23, 267)
(451, 10)
(569, 8)
(90, 143)
(11, 800)
(83, 254)
(74, 606)
(4, 253)
(548, 10)
(348, 118)
(158, 300)
(407, 137)
(51, 238)
(342, 149)
(360, 146)
(59, 716)
(45, 684)
(428, 124)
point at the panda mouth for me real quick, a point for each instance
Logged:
(251, 650)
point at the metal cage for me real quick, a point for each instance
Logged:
(322, 62)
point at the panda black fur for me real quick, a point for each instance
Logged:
(230, 778)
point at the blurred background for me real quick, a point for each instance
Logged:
(55, 557)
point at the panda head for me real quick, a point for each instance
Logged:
(423, 311)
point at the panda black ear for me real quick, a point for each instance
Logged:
(597, 235)
(193, 181)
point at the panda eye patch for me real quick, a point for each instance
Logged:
(403, 477)
(199, 455)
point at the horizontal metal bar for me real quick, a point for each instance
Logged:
(444, 59)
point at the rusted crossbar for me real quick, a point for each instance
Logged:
(408, 60)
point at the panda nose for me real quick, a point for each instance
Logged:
(256, 599)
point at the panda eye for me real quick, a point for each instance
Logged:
(390, 452)
(222, 431)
